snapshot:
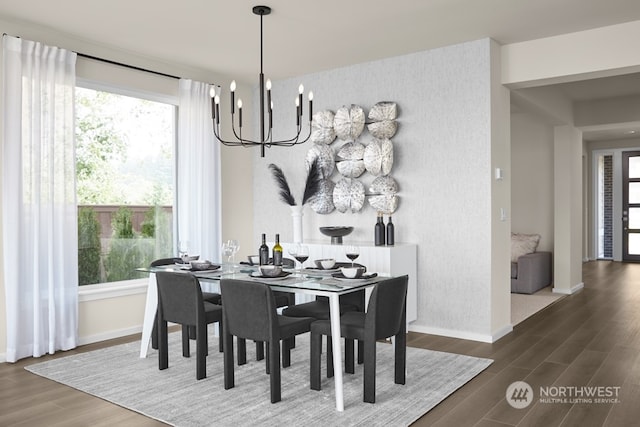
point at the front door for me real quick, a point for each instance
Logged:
(631, 205)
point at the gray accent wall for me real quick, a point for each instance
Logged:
(442, 163)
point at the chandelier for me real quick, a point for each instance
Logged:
(266, 126)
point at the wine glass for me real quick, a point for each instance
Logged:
(183, 250)
(302, 255)
(293, 249)
(235, 247)
(227, 252)
(352, 252)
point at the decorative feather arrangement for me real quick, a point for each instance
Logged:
(281, 180)
(314, 179)
(312, 185)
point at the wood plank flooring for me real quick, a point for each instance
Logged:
(590, 338)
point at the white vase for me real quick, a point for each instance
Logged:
(296, 215)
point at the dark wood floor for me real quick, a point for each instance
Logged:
(590, 338)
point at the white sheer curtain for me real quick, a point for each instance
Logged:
(198, 173)
(40, 244)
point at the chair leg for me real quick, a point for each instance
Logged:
(186, 352)
(370, 371)
(154, 332)
(228, 359)
(400, 357)
(316, 350)
(273, 353)
(286, 353)
(163, 344)
(329, 357)
(201, 351)
(220, 340)
(360, 352)
(349, 364)
(242, 351)
(259, 350)
(268, 358)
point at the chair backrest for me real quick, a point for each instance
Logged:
(164, 261)
(179, 297)
(286, 262)
(353, 298)
(387, 306)
(249, 309)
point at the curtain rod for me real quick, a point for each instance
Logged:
(109, 61)
(133, 67)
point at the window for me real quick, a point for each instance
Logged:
(125, 183)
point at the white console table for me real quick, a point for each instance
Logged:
(396, 260)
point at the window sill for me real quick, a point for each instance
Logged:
(112, 290)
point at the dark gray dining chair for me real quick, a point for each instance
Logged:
(319, 310)
(250, 313)
(385, 317)
(180, 301)
(283, 299)
(212, 297)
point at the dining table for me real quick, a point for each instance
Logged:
(315, 282)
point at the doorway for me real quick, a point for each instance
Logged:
(631, 206)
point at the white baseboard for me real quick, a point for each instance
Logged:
(109, 335)
(573, 290)
(472, 336)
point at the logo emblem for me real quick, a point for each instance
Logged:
(519, 394)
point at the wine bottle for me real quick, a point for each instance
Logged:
(263, 251)
(390, 233)
(277, 252)
(379, 231)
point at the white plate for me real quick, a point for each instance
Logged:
(320, 271)
(258, 275)
(364, 277)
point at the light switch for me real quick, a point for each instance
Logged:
(499, 175)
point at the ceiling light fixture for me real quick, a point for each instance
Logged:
(266, 139)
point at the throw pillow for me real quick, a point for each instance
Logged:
(522, 244)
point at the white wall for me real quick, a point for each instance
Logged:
(443, 166)
(532, 177)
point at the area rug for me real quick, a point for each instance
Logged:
(174, 396)
(525, 306)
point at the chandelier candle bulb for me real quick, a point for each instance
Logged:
(269, 103)
(240, 112)
(270, 117)
(232, 88)
(298, 111)
(300, 92)
(217, 101)
(212, 93)
(310, 106)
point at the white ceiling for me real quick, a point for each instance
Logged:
(305, 36)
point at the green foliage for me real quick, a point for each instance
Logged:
(121, 224)
(98, 146)
(88, 247)
(148, 226)
(125, 255)
(127, 251)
